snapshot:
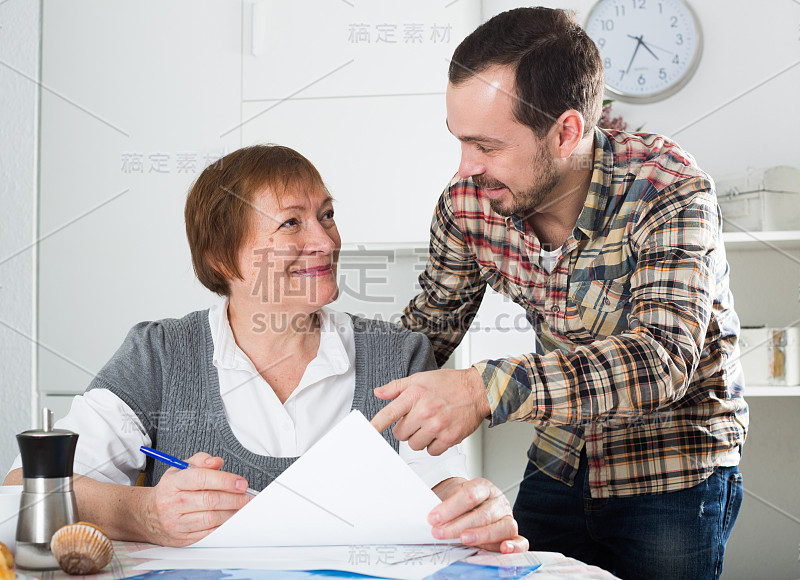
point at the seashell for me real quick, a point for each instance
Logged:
(6, 556)
(6, 563)
(81, 548)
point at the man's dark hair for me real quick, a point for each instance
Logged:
(558, 67)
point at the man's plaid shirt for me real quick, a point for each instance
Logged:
(636, 320)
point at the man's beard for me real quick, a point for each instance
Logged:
(524, 203)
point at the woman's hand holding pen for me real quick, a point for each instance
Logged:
(189, 504)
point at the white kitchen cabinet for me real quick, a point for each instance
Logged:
(360, 47)
(765, 281)
(58, 404)
(366, 104)
(136, 97)
(499, 330)
(385, 160)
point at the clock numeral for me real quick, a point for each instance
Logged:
(621, 73)
(641, 80)
(607, 25)
(673, 22)
(679, 39)
(662, 74)
(676, 60)
(601, 42)
(620, 10)
(607, 63)
(660, 8)
(638, 4)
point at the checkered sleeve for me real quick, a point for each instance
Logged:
(648, 366)
(452, 287)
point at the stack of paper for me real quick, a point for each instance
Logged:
(349, 503)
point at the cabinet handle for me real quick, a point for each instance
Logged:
(258, 28)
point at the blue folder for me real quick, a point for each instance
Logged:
(455, 571)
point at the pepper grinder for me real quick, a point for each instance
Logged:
(47, 500)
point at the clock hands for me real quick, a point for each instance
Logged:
(639, 42)
(651, 44)
(661, 48)
(647, 48)
(635, 50)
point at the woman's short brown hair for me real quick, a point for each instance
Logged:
(219, 206)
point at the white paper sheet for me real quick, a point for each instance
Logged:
(349, 488)
(349, 503)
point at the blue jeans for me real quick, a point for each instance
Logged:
(680, 535)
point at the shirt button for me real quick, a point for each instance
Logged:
(555, 310)
(606, 301)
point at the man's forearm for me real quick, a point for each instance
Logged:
(628, 375)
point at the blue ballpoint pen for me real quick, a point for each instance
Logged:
(175, 462)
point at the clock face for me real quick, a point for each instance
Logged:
(650, 48)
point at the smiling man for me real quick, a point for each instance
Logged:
(611, 242)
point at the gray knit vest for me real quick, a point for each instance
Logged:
(164, 372)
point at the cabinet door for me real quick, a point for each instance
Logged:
(58, 404)
(137, 97)
(499, 330)
(372, 47)
(385, 160)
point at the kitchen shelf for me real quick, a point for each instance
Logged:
(770, 391)
(399, 247)
(784, 240)
(733, 240)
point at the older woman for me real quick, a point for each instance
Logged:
(253, 382)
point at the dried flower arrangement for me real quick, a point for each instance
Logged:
(606, 122)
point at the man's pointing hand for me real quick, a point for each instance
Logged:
(433, 409)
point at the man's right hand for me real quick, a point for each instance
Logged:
(189, 504)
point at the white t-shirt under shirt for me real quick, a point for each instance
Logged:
(547, 260)
(111, 433)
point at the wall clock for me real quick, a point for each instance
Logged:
(650, 48)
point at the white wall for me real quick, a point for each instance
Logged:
(121, 115)
(19, 69)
